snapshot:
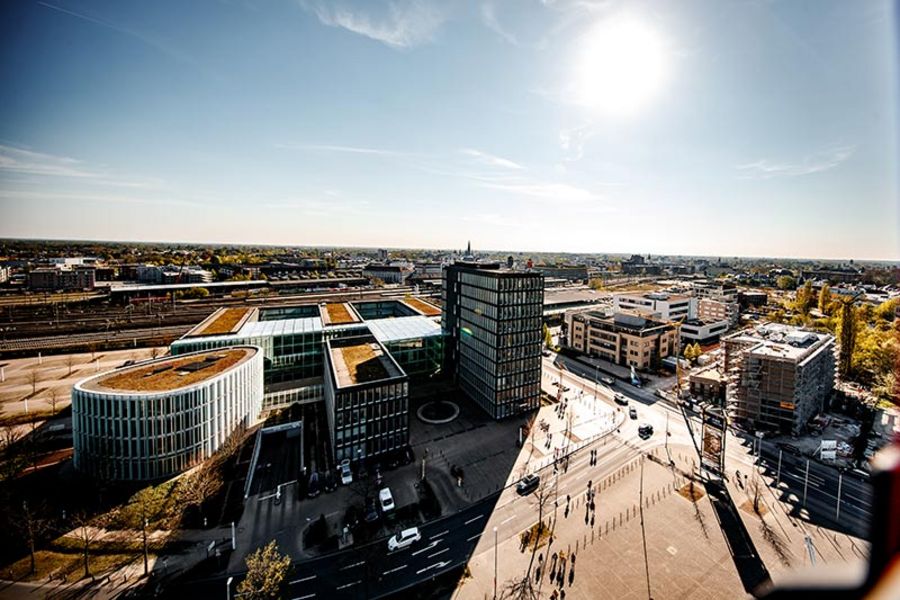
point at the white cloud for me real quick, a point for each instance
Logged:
(489, 18)
(339, 148)
(19, 161)
(403, 24)
(816, 163)
(490, 159)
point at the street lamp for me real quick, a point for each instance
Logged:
(228, 588)
(495, 563)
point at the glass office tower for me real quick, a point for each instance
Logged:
(492, 323)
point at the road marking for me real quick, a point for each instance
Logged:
(303, 579)
(437, 535)
(438, 553)
(473, 519)
(437, 565)
(306, 597)
(346, 585)
(508, 519)
(356, 564)
(394, 570)
(477, 535)
(428, 547)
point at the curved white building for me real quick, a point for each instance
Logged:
(157, 418)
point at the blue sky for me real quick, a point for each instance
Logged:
(746, 128)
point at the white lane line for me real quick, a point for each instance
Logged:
(438, 553)
(507, 520)
(346, 585)
(437, 535)
(428, 547)
(476, 536)
(303, 579)
(473, 519)
(306, 597)
(354, 565)
(395, 569)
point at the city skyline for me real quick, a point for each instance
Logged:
(746, 129)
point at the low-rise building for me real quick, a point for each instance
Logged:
(716, 310)
(708, 385)
(622, 338)
(62, 277)
(387, 273)
(778, 376)
(702, 331)
(668, 307)
(752, 298)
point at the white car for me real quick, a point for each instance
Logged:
(346, 473)
(404, 539)
(386, 500)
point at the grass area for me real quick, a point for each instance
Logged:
(426, 308)
(71, 565)
(338, 314)
(223, 323)
(144, 379)
(692, 492)
(363, 363)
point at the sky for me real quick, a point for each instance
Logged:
(733, 128)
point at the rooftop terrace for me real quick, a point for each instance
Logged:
(169, 374)
(361, 361)
(338, 313)
(221, 321)
(426, 308)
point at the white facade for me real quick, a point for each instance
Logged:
(664, 306)
(701, 331)
(132, 435)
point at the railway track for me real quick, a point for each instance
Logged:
(118, 339)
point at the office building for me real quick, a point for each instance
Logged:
(62, 277)
(492, 324)
(702, 331)
(366, 398)
(157, 418)
(778, 377)
(625, 339)
(716, 310)
(658, 305)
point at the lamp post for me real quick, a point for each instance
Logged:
(495, 563)
(228, 588)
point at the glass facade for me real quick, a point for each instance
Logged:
(142, 436)
(492, 319)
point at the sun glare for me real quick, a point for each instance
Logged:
(620, 68)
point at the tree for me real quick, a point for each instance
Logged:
(87, 533)
(53, 399)
(804, 299)
(266, 571)
(596, 284)
(70, 362)
(785, 282)
(32, 527)
(33, 378)
(145, 507)
(847, 338)
(548, 337)
(824, 299)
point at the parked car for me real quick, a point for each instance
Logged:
(645, 430)
(386, 500)
(608, 381)
(790, 448)
(330, 481)
(528, 484)
(620, 399)
(404, 539)
(546, 352)
(346, 473)
(632, 412)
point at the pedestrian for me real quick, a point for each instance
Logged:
(562, 594)
(573, 560)
(592, 520)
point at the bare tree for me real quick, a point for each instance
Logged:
(755, 489)
(70, 363)
(33, 379)
(32, 528)
(54, 397)
(146, 507)
(154, 352)
(87, 533)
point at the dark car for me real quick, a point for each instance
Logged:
(528, 484)
(330, 481)
(645, 431)
(790, 448)
(313, 489)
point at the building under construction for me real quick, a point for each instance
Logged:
(778, 377)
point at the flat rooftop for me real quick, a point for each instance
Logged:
(221, 322)
(171, 373)
(362, 361)
(782, 341)
(426, 308)
(338, 313)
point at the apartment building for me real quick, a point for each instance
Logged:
(778, 377)
(492, 323)
(62, 278)
(623, 338)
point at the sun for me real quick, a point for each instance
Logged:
(621, 66)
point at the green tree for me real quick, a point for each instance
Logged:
(548, 337)
(804, 299)
(146, 507)
(886, 310)
(824, 299)
(596, 284)
(266, 571)
(785, 282)
(846, 337)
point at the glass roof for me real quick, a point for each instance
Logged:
(403, 328)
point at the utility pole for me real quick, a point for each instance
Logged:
(837, 510)
(495, 563)
(778, 474)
